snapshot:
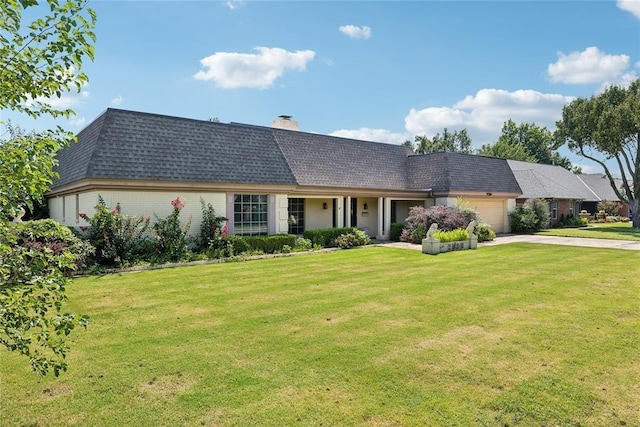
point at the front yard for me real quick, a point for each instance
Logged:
(519, 334)
(614, 231)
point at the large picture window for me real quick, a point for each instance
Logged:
(250, 214)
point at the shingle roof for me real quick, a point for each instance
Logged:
(600, 186)
(131, 145)
(548, 181)
(139, 146)
(446, 171)
(321, 160)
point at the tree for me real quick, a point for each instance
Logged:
(39, 61)
(527, 142)
(606, 129)
(459, 142)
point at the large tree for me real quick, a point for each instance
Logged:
(606, 129)
(40, 60)
(527, 142)
(456, 141)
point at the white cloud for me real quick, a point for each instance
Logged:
(637, 64)
(117, 100)
(589, 66)
(484, 113)
(233, 4)
(632, 6)
(354, 32)
(260, 70)
(78, 121)
(624, 80)
(377, 135)
(65, 100)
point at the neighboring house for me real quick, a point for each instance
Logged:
(561, 188)
(602, 192)
(262, 177)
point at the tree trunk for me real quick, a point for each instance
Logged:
(635, 208)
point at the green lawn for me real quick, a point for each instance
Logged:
(520, 334)
(614, 230)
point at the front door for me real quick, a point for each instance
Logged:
(354, 212)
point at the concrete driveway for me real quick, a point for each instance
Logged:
(547, 240)
(568, 241)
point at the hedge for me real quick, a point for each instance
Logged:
(326, 236)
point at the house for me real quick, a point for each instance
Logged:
(602, 192)
(266, 179)
(561, 188)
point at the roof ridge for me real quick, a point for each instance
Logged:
(98, 141)
(284, 156)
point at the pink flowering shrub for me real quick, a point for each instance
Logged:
(171, 240)
(420, 219)
(118, 238)
(212, 227)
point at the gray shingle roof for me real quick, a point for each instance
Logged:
(139, 146)
(131, 145)
(600, 186)
(446, 171)
(548, 182)
(321, 160)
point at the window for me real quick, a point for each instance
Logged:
(571, 202)
(250, 214)
(296, 216)
(554, 209)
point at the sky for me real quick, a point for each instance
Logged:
(383, 71)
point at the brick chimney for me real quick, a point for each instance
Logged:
(285, 122)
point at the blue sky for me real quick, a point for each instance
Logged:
(382, 71)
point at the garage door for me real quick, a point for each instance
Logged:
(491, 211)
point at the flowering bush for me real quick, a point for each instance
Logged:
(352, 239)
(420, 219)
(170, 235)
(116, 237)
(212, 226)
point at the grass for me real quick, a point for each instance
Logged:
(614, 231)
(519, 334)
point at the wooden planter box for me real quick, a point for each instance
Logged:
(433, 246)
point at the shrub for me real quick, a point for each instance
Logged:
(532, 216)
(238, 244)
(171, 240)
(270, 244)
(303, 244)
(541, 210)
(326, 236)
(116, 237)
(347, 241)
(211, 224)
(457, 235)
(35, 258)
(352, 239)
(420, 219)
(395, 230)
(484, 232)
(609, 208)
(286, 249)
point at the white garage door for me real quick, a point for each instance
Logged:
(491, 211)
